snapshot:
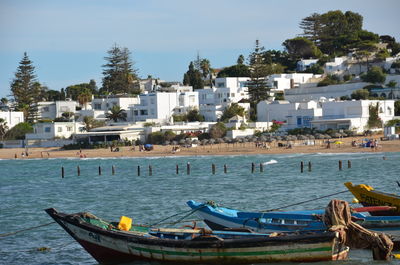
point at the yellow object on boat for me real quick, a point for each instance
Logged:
(396, 256)
(355, 200)
(125, 223)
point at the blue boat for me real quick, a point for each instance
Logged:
(219, 218)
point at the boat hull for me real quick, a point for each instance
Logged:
(367, 196)
(112, 247)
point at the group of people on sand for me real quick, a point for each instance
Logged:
(80, 154)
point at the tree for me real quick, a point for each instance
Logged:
(91, 123)
(4, 101)
(84, 98)
(360, 94)
(3, 128)
(240, 59)
(301, 47)
(194, 115)
(68, 116)
(258, 89)
(238, 70)
(74, 91)
(374, 75)
(119, 76)
(18, 131)
(397, 108)
(311, 27)
(25, 89)
(218, 130)
(231, 111)
(193, 77)
(374, 121)
(116, 113)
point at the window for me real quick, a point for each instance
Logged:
(233, 95)
(143, 112)
(135, 112)
(192, 99)
(59, 129)
(220, 84)
(47, 129)
(152, 101)
(45, 109)
(69, 129)
(97, 106)
(298, 120)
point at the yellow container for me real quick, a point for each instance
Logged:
(125, 223)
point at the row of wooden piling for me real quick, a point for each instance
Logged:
(213, 168)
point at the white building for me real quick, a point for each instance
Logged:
(280, 82)
(162, 105)
(113, 133)
(227, 90)
(337, 67)
(12, 118)
(323, 115)
(304, 64)
(352, 115)
(54, 130)
(51, 110)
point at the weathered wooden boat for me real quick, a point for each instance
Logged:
(217, 217)
(109, 245)
(368, 196)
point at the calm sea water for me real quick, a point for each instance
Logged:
(29, 186)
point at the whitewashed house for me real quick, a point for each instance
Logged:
(352, 115)
(347, 115)
(54, 109)
(54, 130)
(338, 66)
(12, 118)
(281, 82)
(162, 105)
(100, 106)
(304, 64)
(226, 91)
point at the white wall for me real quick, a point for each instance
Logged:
(12, 117)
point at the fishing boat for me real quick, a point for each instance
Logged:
(217, 217)
(113, 242)
(368, 196)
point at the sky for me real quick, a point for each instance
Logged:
(68, 40)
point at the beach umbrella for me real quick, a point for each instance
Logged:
(195, 141)
(278, 138)
(302, 137)
(174, 142)
(204, 142)
(263, 138)
(327, 136)
(188, 141)
(211, 141)
(311, 137)
(336, 135)
(219, 140)
(182, 141)
(167, 142)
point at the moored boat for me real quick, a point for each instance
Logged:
(217, 217)
(109, 244)
(368, 196)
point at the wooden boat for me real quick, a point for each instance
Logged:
(219, 218)
(368, 196)
(108, 244)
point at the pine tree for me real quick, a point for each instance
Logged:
(193, 77)
(311, 27)
(26, 90)
(119, 74)
(258, 89)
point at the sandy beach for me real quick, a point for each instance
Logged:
(216, 149)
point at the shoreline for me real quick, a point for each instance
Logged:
(216, 149)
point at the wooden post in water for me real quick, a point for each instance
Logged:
(177, 169)
(340, 164)
(99, 170)
(62, 172)
(213, 169)
(225, 169)
(188, 168)
(301, 166)
(138, 170)
(78, 169)
(309, 165)
(253, 167)
(261, 167)
(348, 164)
(113, 170)
(150, 170)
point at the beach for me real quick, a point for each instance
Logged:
(249, 148)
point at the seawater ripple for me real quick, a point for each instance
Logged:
(29, 186)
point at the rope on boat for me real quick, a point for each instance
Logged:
(294, 204)
(190, 212)
(23, 230)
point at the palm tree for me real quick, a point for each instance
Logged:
(116, 113)
(3, 128)
(84, 98)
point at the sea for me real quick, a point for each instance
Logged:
(27, 187)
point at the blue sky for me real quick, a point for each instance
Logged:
(67, 40)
